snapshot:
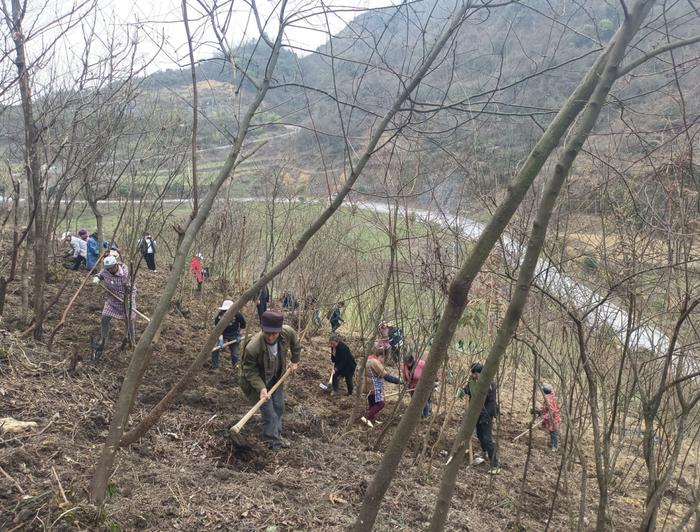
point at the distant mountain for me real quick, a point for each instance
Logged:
(474, 117)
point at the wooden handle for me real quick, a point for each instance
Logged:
(392, 394)
(122, 301)
(224, 345)
(238, 426)
(529, 429)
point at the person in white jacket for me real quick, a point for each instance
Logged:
(78, 249)
(147, 246)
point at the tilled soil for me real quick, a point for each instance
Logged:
(187, 474)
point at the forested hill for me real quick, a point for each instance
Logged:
(504, 76)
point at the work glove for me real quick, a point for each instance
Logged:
(221, 342)
(95, 279)
(460, 393)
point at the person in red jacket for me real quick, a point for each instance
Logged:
(550, 416)
(412, 371)
(197, 268)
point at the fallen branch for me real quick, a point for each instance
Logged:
(26, 436)
(11, 479)
(60, 486)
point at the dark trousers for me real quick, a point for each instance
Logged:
(77, 262)
(150, 260)
(348, 381)
(335, 325)
(234, 349)
(427, 407)
(272, 412)
(483, 432)
(374, 407)
(261, 308)
(105, 324)
(554, 439)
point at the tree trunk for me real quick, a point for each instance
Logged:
(33, 168)
(529, 263)
(142, 353)
(458, 291)
(656, 487)
(359, 400)
(3, 291)
(24, 282)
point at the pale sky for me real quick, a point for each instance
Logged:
(162, 21)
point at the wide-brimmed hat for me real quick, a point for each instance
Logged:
(109, 261)
(271, 321)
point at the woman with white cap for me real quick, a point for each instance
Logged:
(233, 331)
(116, 279)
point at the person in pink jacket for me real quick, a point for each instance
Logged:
(412, 371)
(550, 416)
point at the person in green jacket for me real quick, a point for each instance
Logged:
(265, 359)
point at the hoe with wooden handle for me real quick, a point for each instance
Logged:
(142, 315)
(224, 345)
(327, 387)
(236, 429)
(529, 429)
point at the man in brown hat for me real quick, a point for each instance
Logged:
(264, 362)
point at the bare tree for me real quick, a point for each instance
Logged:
(591, 91)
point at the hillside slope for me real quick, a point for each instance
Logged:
(186, 474)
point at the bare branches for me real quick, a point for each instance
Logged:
(656, 52)
(195, 109)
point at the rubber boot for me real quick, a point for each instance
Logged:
(98, 347)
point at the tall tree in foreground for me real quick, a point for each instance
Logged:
(599, 79)
(143, 350)
(529, 266)
(389, 120)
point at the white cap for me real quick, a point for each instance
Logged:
(227, 304)
(65, 235)
(110, 261)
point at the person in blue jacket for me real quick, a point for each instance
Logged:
(93, 251)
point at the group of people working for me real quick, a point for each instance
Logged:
(270, 352)
(411, 371)
(85, 249)
(276, 349)
(120, 293)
